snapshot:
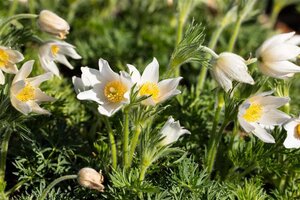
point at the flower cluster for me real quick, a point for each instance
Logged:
(112, 90)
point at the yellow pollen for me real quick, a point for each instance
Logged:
(114, 91)
(4, 57)
(149, 88)
(297, 131)
(27, 93)
(54, 49)
(253, 113)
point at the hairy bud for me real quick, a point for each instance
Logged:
(51, 23)
(90, 178)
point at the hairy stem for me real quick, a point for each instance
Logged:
(4, 148)
(134, 143)
(126, 138)
(112, 142)
(53, 183)
(15, 187)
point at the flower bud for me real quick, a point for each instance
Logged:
(53, 24)
(90, 178)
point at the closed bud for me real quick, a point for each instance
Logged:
(53, 24)
(90, 178)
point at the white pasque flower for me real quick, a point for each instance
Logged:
(148, 84)
(293, 133)
(25, 95)
(89, 77)
(275, 56)
(260, 111)
(171, 131)
(56, 51)
(228, 67)
(53, 24)
(8, 60)
(111, 92)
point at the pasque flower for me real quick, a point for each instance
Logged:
(171, 131)
(228, 67)
(90, 178)
(8, 60)
(25, 95)
(275, 56)
(293, 133)
(148, 84)
(89, 78)
(56, 51)
(111, 92)
(260, 111)
(53, 24)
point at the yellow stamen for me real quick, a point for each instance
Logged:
(297, 131)
(54, 50)
(4, 57)
(114, 91)
(150, 88)
(27, 93)
(253, 113)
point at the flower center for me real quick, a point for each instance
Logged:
(149, 88)
(114, 91)
(54, 50)
(27, 93)
(253, 113)
(4, 57)
(297, 131)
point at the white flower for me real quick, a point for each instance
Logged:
(293, 133)
(53, 24)
(89, 78)
(171, 131)
(25, 95)
(8, 60)
(228, 67)
(275, 56)
(260, 111)
(56, 51)
(112, 92)
(90, 178)
(148, 84)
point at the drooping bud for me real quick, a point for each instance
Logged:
(53, 24)
(90, 178)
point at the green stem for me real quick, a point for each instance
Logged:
(13, 8)
(286, 93)
(126, 138)
(234, 34)
(15, 187)
(178, 40)
(277, 6)
(112, 142)
(16, 17)
(4, 148)
(53, 183)
(143, 172)
(134, 143)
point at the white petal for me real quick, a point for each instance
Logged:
(41, 96)
(10, 68)
(69, 51)
(89, 95)
(17, 87)
(280, 53)
(126, 80)
(20, 106)
(49, 66)
(262, 134)
(245, 125)
(90, 76)
(78, 84)
(2, 78)
(269, 102)
(273, 117)
(63, 60)
(276, 39)
(222, 79)
(24, 71)
(106, 73)
(295, 40)
(135, 74)
(291, 124)
(37, 109)
(14, 56)
(151, 72)
(291, 142)
(109, 109)
(37, 80)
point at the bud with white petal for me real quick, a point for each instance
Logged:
(53, 24)
(90, 178)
